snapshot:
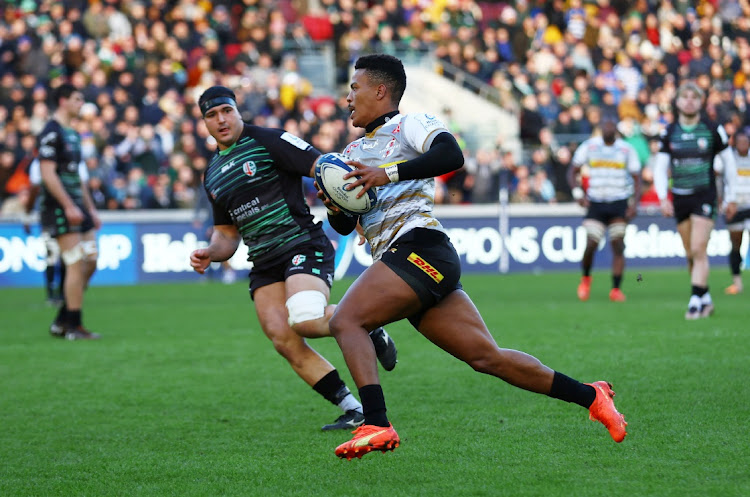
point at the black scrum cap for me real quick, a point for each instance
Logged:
(216, 95)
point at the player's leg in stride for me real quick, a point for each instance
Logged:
(695, 232)
(594, 233)
(603, 410)
(617, 240)
(735, 260)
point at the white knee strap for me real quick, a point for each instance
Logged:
(617, 230)
(90, 250)
(305, 306)
(72, 255)
(594, 229)
(53, 250)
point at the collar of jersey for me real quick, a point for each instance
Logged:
(380, 121)
(228, 149)
(689, 128)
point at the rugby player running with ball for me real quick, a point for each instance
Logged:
(416, 271)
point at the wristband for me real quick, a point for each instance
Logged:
(392, 173)
(577, 193)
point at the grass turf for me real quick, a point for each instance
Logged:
(184, 396)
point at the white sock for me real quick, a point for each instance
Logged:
(706, 299)
(350, 403)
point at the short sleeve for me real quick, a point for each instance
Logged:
(420, 129)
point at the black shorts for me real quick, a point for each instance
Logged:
(739, 218)
(316, 257)
(701, 203)
(605, 212)
(426, 260)
(55, 223)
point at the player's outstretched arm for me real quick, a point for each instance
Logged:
(224, 242)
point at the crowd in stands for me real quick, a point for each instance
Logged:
(559, 66)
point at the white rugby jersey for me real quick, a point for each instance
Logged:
(610, 168)
(742, 186)
(404, 205)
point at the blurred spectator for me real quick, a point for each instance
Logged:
(568, 63)
(542, 188)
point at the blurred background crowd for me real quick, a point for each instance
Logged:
(559, 66)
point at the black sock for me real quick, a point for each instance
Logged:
(74, 318)
(699, 290)
(735, 261)
(49, 276)
(62, 314)
(332, 388)
(62, 280)
(587, 271)
(373, 405)
(570, 390)
(616, 281)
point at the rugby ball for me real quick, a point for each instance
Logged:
(329, 174)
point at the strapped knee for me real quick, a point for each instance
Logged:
(90, 250)
(72, 255)
(594, 230)
(306, 306)
(617, 230)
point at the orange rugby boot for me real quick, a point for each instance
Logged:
(584, 288)
(603, 410)
(733, 289)
(616, 295)
(368, 438)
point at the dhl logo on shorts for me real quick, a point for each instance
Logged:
(422, 264)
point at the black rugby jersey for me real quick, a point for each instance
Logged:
(256, 185)
(63, 146)
(692, 154)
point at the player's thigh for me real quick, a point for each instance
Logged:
(456, 326)
(377, 297)
(68, 241)
(684, 228)
(700, 232)
(270, 306)
(306, 282)
(595, 221)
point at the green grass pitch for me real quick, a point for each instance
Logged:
(184, 396)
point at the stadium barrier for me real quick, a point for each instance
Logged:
(153, 246)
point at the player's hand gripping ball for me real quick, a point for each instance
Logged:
(329, 174)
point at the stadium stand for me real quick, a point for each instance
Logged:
(555, 67)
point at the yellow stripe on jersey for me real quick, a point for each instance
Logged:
(743, 172)
(609, 164)
(391, 163)
(424, 266)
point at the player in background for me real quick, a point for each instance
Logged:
(416, 271)
(687, 150)
(54, 273)
(254, 184)
(611, 199)
(741, 220)
(67, 211)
